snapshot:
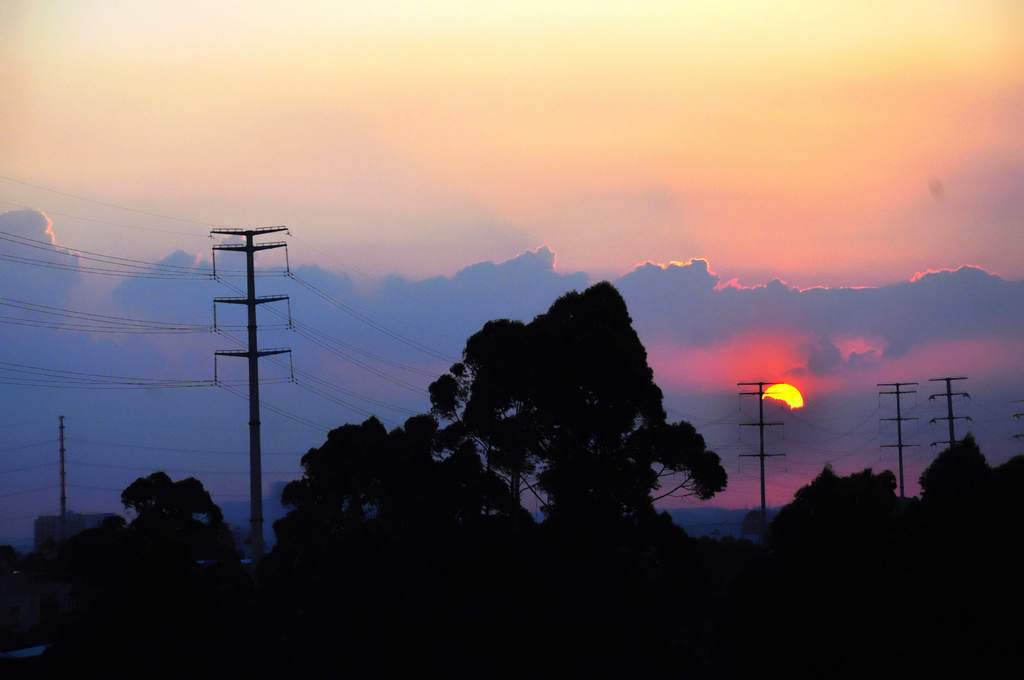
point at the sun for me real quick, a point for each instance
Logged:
(785, 393)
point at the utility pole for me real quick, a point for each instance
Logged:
(760, 455)
(949, 417)
(253, 354)
(63, 489)
(899, 445)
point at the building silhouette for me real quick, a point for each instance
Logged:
(47, 529)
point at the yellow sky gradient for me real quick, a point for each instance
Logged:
(784, 138)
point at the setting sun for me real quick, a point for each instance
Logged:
(786, 393)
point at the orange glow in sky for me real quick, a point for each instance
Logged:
(418, 137)
(786, 393)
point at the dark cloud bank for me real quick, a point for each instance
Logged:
(686, 304)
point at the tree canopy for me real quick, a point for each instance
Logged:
(182, 510)
(569, 397)
(365, 478)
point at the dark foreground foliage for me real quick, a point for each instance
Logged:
(409, 551)
(854, 581)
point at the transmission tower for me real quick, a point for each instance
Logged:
(253, 354)
(950, 417)
(898, 392)
(760, 455)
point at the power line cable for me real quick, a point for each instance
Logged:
(150, 447)
(19, 447)
(134, 227)
(106, 203)
(104, 258)
(356, 314)
(279, 411)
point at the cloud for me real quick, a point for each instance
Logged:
(186, 301)
(703, 332)
(832, 330)
(824, 357)
(679, 304)
(36, 279)
(687, 304)
(438, 313)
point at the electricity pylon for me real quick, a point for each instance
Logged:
(899, 419)
(949, 417)
(253, 354)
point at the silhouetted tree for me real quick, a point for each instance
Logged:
(365, 478)
(164, 595)
(419, 535)
(822, 582)
(1007, 494)
(958, 475)
(570, 397)
(834, 517)
(179, 511)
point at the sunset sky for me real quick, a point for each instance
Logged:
(825, 142)
(854, 146)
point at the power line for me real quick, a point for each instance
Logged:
(106, 318)
(150, 447)
(421, 303)
(324, 341)
(99, 271)
(383, 375)
(86, 328)
(46, 442)
(106, 203)
(27, 374)
(111, 489)
(356, 314)
(105, 259)
(341, 402)
(9, 494)
(300, 375)
(183, 471)
(836, 434)
(134, 227)
(60, 318)
(319, 427)
(724, 419)
(367, 353)
(134, 268)
(63, 386)
(832, 456)
(348, 308)
(26, 468)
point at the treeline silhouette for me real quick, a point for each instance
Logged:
(410, 551)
